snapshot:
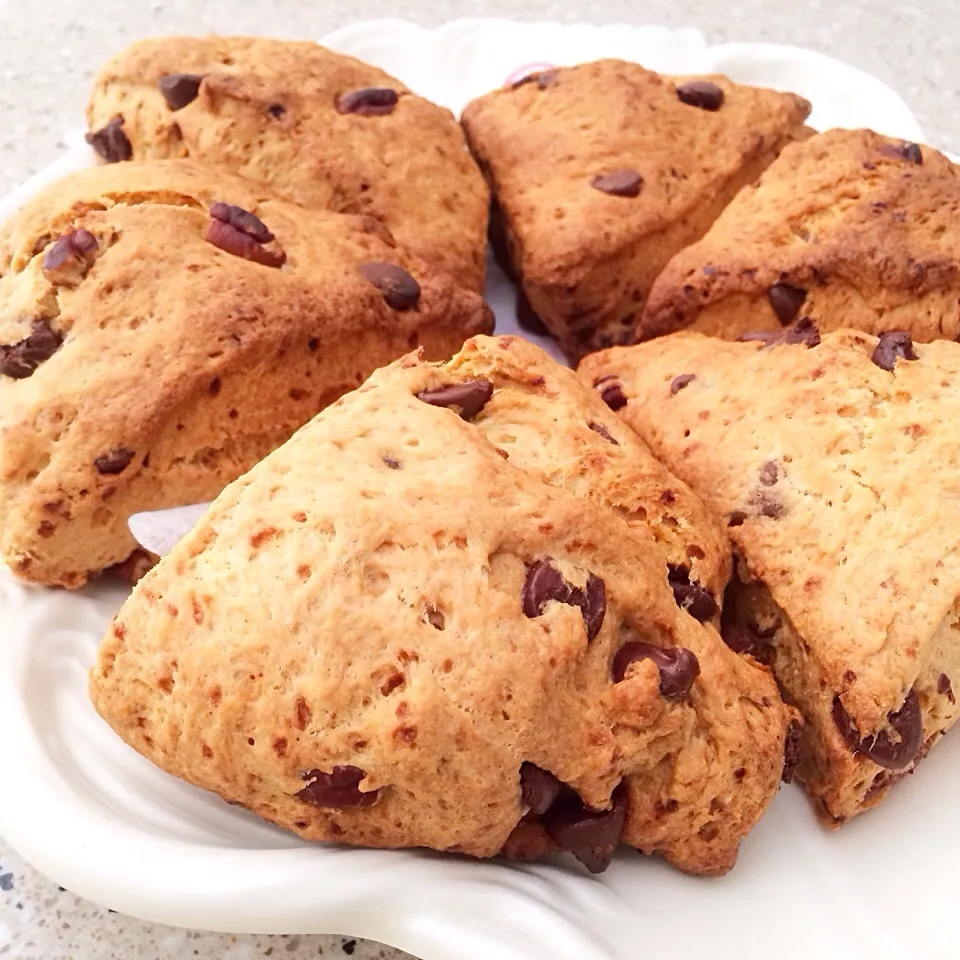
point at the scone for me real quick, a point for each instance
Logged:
(436, 617)
(321, 128)
(602, 172)
(848, 228)
(163, 327)
(835, 464)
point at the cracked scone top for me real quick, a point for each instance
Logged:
(437, 611)
(849, 228)
(163, 327)
(603, 171)
(835, 467)
(322, 129)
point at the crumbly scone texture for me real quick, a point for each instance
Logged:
(587, 259)
(267, 109)
(851, 220)
(838, 480)
(186, 361)
(356, 601)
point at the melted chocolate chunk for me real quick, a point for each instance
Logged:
(769, 473)
(803, 331)
(592, 836)
(538, 788)
(233, 241)
(893, 345)
(116, 461)
(67, 261)
(702, 94)
(602, 430)
(678, 383)
(469, 397)
(398, 288)
(786, 301)
(110, 142)
(619, 183)
(791, 752)
(611, 391)
(689, 594)
(882, 748)
(242, 220)
(678, 666)
(544, 582)
(368, 102)
(180, 89)
(339, 788)
(20, 360)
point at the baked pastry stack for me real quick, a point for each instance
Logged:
(602, 172)
(466, 634)
(833, 462)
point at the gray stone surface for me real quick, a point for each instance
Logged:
(49, 53)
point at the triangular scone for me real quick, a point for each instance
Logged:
(848, 228)
(321, 128)
(836, 468)
(146, 362)
(602, 172)
(403, 628)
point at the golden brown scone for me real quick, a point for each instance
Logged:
(849, 228)
(293, 115)
(835, 467)
(404, 628)
(602, 173)
(141, 366)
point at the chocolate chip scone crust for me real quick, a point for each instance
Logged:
(434, 618)
(322, 129)
(834, 464)
(602, 172)
(849, 228)
(163, 327)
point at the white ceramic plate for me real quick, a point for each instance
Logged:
(98, 818)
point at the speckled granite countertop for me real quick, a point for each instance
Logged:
(50, 52)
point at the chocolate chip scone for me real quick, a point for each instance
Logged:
(602, 172)
(848, 228)
(163, 327)
(322, 129)
(834, 464)
(447, 625)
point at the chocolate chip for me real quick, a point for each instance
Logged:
(736, 518)
(242, 220)
(702, 94)
(602, 430)
(544, 582)
(769, 473)
(619, 183)
(180, 89)
(678, 666)
(20, 360)
(690, 595)
(527, 319)
(392, 463)
(803, 331)
(678, 383)
(912, 153)
(592, 836)
(368, 102)
(110, 142)
(891, 345)
(276, 110)
(399, 289)
(231, 240)
(944, 688)
(538, 788)
(116, 461)
(792, 747)
(469, 396)
(67, 261)
(611, 391)
(339, 788)
(882, 748)
(786, 301)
